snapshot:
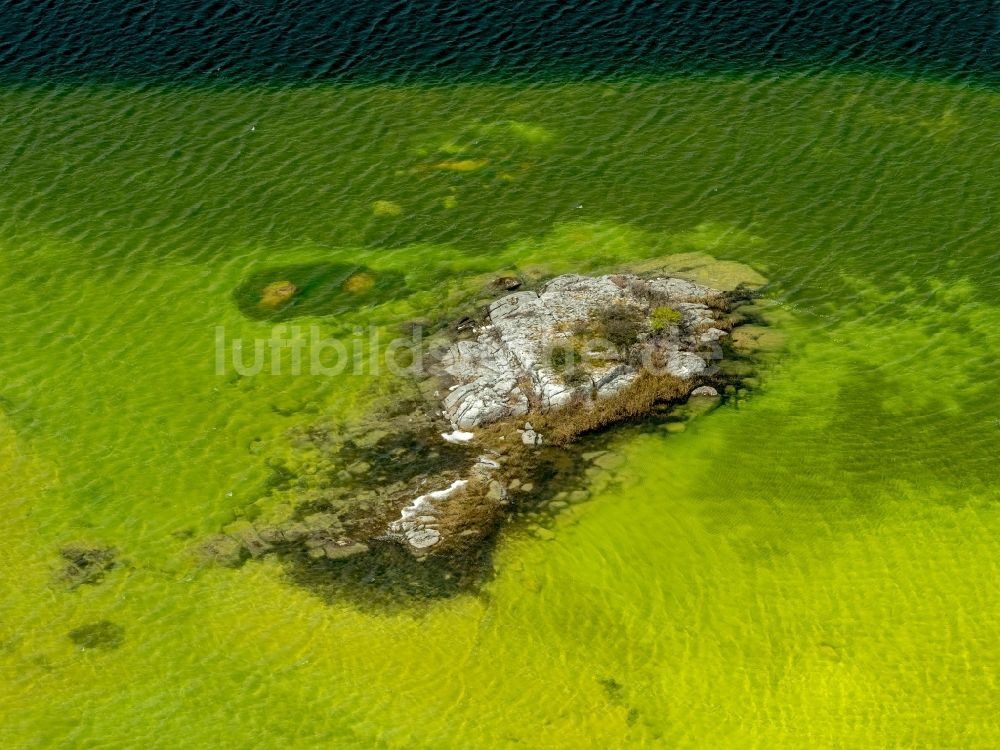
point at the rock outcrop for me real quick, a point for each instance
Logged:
(579, 339)
(488, 426)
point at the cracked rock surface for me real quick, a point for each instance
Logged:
(512, 366)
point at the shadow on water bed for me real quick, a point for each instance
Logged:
(339, 485)
(287, 292)
(387, 578)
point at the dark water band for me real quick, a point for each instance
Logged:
(369, 40)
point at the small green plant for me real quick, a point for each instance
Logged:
(566, 362)
(564, 357)
(618, 324)
(664, 317)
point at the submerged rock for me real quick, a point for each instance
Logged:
(702, 268)
(461, 165)
(359, 283)
(750, 339)
(506, 283)
(609, 461)
(277, 293)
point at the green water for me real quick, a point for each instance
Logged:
(814, 567)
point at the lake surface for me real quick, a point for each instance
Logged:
(814, 565)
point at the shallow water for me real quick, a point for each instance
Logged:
(815, 565)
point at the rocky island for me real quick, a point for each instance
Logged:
(491, 424)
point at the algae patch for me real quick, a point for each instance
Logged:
(277, 294)
(103, 635)
(461, 165)
(386, 208)
(314, 290)
(86, 564)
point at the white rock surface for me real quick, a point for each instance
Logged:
(416, 521)
(458, 436)
(505, 371)
(705, 391)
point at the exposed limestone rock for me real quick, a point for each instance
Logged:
(601, 348)
(518, 362)
(436, 474)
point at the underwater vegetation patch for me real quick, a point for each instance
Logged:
(86, 564)
(102, 634)
(310, 290)
(386, 579)
(664, 317)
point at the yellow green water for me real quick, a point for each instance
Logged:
(813, 568)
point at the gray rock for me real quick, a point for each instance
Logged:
(711, 336)
(615, 381)
(506, 371)
(685, 365)
(696, 315)
(496, 492)
(705, 390)
(530, 437)
(423, 538)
